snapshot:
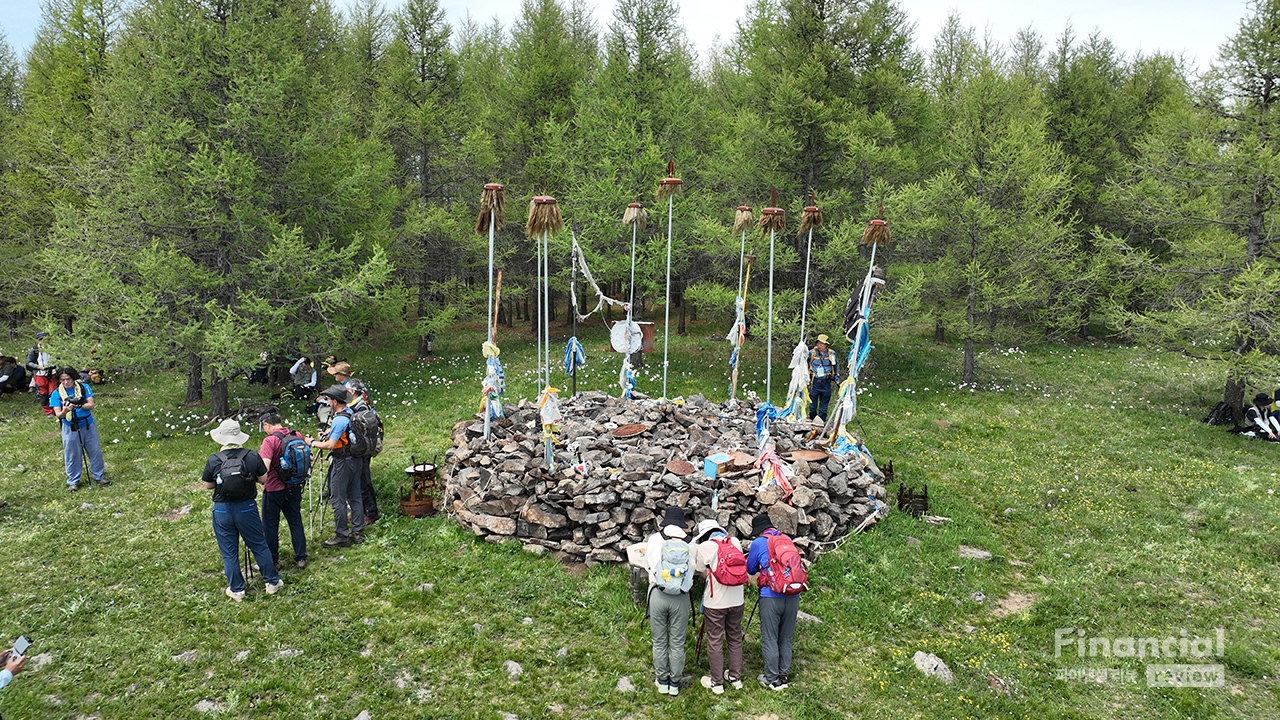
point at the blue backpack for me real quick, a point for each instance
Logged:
(295, 460)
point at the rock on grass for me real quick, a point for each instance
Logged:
(933, 666)
(514, 671)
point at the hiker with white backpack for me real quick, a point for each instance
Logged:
(720, 558)
(670, 562)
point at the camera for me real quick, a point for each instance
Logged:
(77, 401)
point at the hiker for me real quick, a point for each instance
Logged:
(42, 371)
(344, 471)
(1260, 420)
(13, 377)
(72, 403)
(304, 379)
(233, 474)
(823, 371)
(359, 399)
(781, 577)
(670, 578)
(282, 489)
(720, 558)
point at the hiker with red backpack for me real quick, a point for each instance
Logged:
(720, 558)
(288, 461)
(670, 562)
(781, 574)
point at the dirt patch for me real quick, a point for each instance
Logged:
(177, 514)
(1014, 602)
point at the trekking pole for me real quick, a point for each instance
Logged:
(702, 628)
(753, 614)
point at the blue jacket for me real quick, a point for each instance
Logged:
(758, 559)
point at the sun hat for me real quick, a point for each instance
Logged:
(673, 523)
(229, 433)
(1262, 399)
(759, 524)
(342, 368)
(706, 528)
(824, 339)
(42, 335)
(337, 392)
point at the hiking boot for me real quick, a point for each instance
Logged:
(358, 538)
(273, 588)
(337, 541)
(370, 519)
(301, 563)
(103, 482)
(715, 687)
(72, 488)
(237, 596)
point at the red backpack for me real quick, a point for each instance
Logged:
(731, 564)
(786, 574)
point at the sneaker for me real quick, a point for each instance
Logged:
(337, 541)
(237, 596)
(72, 488)
(673, 689)
(736, 683)
(715, 687)
(662, 687)
(786, 681)
(358, 538)
(771, 685)
(370, 519)
(301, 563)
(273, 588)
(103, 482)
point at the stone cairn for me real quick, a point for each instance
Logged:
(504, 491)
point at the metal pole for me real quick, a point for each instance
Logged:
(768, 366)
(666, 323)
(490, 318)
(537, 301)
(546, 307)
(804, 301)
(573, 295)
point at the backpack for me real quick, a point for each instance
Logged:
(786, 574)
(1221, 414)
(731, 564)
(295, 460)
(234, 483)
(365, 438)
(674, 577)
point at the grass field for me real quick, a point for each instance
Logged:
(1082, 468)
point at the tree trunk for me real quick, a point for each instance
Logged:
(551, 307)
(971, 319)
(219, 404)
(536, 315)
(195, 380)
(680, 325)
(1233, 396)
(67, 323)
(939, 332)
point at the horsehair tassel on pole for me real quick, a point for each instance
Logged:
(668, 188)
(544, 219)
(742, 219)
(774, 220)
(812, 218)
(877, 231)
(635, 216)
(492, 205)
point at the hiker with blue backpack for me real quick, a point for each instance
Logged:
(670, 578)
(288, 461)
(782, 576)
(720, 558)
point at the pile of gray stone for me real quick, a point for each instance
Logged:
(602, 493)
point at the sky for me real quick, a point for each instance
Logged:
(1194, 28)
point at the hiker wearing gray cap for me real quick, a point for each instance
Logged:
(670, 577)
(344, 471)
(233, 474)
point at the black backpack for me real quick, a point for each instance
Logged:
(364, 440)
(233, 481)
(1221, 414)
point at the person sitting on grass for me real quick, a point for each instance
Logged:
(1260, 421)
(13, 377)
(233, 474)
(304, 379)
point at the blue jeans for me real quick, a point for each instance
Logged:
(231, 522)
(289, 502)
(74, 442)
(819, 398)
